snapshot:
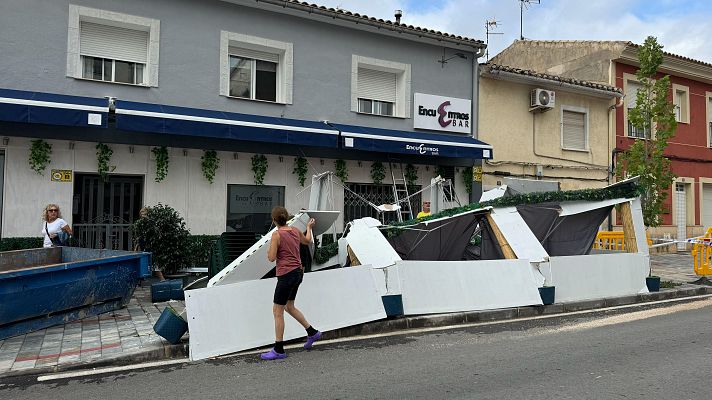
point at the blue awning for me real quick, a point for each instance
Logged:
(157, 118)
(409, 142)
(53, 109)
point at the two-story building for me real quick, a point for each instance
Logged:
(689, 208)
(209, 106)
(548, 128)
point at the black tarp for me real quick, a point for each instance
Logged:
(571, 235)
(441, 240)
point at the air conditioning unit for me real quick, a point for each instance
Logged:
(543, 99)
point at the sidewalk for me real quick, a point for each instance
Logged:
(126, 336)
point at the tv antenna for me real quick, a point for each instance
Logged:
(490, 26)
(522, 5)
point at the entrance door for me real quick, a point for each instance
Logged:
(104, 211)
(707, 205)
(2, 184)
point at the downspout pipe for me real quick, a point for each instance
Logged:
(476, 191)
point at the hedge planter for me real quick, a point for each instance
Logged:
(547, 294)
(653, 283)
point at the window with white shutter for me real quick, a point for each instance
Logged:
(631, 92)
(380, 87)
(255, 68)
(574, 130)
(112, 47)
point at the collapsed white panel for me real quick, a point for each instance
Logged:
(641, 239)
(225, 319)
(596, 276)
(387, 280)
(577, 207)
(492, 194)
(369, 245)
(253, 263)
(451, 286)
(519, 236)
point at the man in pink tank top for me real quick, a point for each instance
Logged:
(284, 248)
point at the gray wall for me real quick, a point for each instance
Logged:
(33, 46)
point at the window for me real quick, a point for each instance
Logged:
(255, 68)
(380, 87)
(574, 129)
(681, 99)
(631, 91)
(112, 47)
(249, 207)
(709, 119)
(253, 75)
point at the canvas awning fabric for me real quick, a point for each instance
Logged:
(409, 142)
(53, 109)
(158, 118)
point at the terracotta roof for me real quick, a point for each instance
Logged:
(620, 42)
(554, 78)
(309, 7)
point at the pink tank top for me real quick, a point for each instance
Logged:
(288, 251)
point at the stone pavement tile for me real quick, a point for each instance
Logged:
(20, 365)
(5, 366)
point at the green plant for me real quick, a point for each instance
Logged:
(209, 163)
(161, 154)
(378, 172)
(411, 174)
(259, 168)
(200, 246)
(324, 253)
(300, 169)
(341, 172)
(164, 234)
(669, 284)
(645, 158)
(467, 178)
(20, 243)
(40, 152)
(103, 156)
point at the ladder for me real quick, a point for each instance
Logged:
(400, 191)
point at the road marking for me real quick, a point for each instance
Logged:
(108, 370)
(706, 301)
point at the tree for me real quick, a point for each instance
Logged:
(162, 232)
(654, 115)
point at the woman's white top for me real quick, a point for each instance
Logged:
(53, 228)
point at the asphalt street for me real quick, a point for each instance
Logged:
(662, 352)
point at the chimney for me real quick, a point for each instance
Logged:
(398, 16)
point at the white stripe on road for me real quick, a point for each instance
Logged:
(609, 321)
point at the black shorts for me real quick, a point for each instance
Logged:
(287, 286)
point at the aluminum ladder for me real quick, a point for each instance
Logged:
(400, 191)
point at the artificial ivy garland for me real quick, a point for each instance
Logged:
(209, 164)
(410, 174)
(40, 152)
(378, 172)
(341, 172)
(467, 178)
(161, 154)
(300, 169)
(259, 168)
(103, 156)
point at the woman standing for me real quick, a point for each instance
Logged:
(53, 226)
(284, 248)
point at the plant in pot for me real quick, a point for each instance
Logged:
(652, 281)
(164, 234)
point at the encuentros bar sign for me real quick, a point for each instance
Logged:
(440, 113)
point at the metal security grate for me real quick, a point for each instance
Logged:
(355, 207)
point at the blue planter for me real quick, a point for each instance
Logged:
(393, 304)
(653, 283)
(547, 294)
(170, 326)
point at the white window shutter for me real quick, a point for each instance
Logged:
(253, 54)
(106, 41)
(631, 91)
(376, 85)
(574, 130)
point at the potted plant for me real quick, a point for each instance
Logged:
(162, 232)
(547, 292)
(652, 281)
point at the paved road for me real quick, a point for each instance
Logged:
(650, 353)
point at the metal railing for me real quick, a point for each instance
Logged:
(104, 236)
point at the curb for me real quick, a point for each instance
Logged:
(172, 351)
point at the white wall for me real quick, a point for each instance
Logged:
(202, 205)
